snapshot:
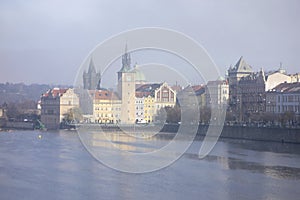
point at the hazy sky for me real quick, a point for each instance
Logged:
(46, 41)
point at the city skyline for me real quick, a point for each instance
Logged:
(46, 42)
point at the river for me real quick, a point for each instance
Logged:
(56, 165)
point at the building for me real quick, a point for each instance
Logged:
(106, 106)
(284, 98)
(295, 78)
(239, 70)
(271, 98)
(55, 103)
(251, 95)
(192, 96)
(217, 94)
(135, 100)
(139, 108)
(126, 90)
(68, 101)
(154, 96)
(91, 79)
(200, 93)
(3, 117)
(247, 89)
(164, 96)
(1, 112)
(272, 79)
(149, 109)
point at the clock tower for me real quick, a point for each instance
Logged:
(126, 90)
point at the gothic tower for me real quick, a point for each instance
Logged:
(91, 79)
(126, 90)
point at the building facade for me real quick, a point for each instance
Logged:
(284, 98)
(217, 93)
(139, 108)
(239, 70)
(247, 89)
(134, 101)
(55, 103)
(251, 96)
(106, 107)
(154, 97)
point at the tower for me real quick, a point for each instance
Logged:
(91, 79)
(126, 90)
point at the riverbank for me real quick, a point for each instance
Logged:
(283, 135)
(270, 134)
(8, 125)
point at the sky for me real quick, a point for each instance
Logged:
(47, 41)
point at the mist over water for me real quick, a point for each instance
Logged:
(57, 166)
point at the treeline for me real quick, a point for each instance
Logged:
(287, 119)
(20, 92)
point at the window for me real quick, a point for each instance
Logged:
(165, 94)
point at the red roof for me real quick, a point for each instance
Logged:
(197, 87)
(104, 95)
(176, 88)
(55, 92)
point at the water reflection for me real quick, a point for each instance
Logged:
(58, 167)
(230, 163)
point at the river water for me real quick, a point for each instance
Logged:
(57, 166)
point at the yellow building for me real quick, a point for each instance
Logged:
(106, 106)
(149, 109)
(67, 101)
(155, 96)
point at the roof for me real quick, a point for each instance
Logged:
(91, 67)
(126, 61)
(104, 95)
(217, 82)
(147, 89)
(139, 75)
(176, 88)
(270, 73)
(198, 90)
(197, 87)
(55, 92)
(287, 88)
(241, 66)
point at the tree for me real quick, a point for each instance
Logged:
(12, 111)
(287, 118)
(205, 115)
(169, 114)
(173, 114)
(73, 115)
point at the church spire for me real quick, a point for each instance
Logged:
(126, 61)
(91, 79)
(92, 66)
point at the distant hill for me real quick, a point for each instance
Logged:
(20, 92)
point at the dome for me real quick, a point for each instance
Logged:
(221, 78)
(139, 75)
